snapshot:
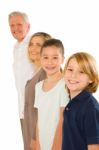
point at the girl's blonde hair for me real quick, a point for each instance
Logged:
(88, 64)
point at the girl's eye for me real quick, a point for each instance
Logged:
(69, 69)
(45, 57)
(81, 71)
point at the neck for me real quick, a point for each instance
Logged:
(74, 94)
(38, 64)
(54, 77)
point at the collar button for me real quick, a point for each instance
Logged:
(67, 108)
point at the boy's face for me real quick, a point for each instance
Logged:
(19, 28)
(51, 59)
(75, 78)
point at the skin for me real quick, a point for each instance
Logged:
(93, 147)
(34, 49)
(75, 78)
(58, 135)
(19, 28)
(51, 60)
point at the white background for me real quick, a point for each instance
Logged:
(75, 22)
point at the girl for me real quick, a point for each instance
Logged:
(81, 115)
(30, 113)
(51, 96)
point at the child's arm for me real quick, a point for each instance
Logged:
(93, 147)
(58, 134)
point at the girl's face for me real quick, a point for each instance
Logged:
(51, 60)
(75, 78)
(35, 47)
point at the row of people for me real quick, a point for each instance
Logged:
(57, 109)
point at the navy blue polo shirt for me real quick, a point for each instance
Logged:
(81, 122)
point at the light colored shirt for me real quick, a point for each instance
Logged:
(48, 104)
(23, 71)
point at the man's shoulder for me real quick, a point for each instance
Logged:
(27, 38)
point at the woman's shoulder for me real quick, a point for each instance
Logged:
(40, 75)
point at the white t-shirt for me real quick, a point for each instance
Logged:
(23, 70)
(48, 104)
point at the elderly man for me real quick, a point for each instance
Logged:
(23, 68)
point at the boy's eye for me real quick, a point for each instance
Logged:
(45, 57)
(55, 57)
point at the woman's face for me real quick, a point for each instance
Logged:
(35, 47)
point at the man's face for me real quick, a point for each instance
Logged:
(19, 28)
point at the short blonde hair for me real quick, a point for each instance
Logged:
(88, 64)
